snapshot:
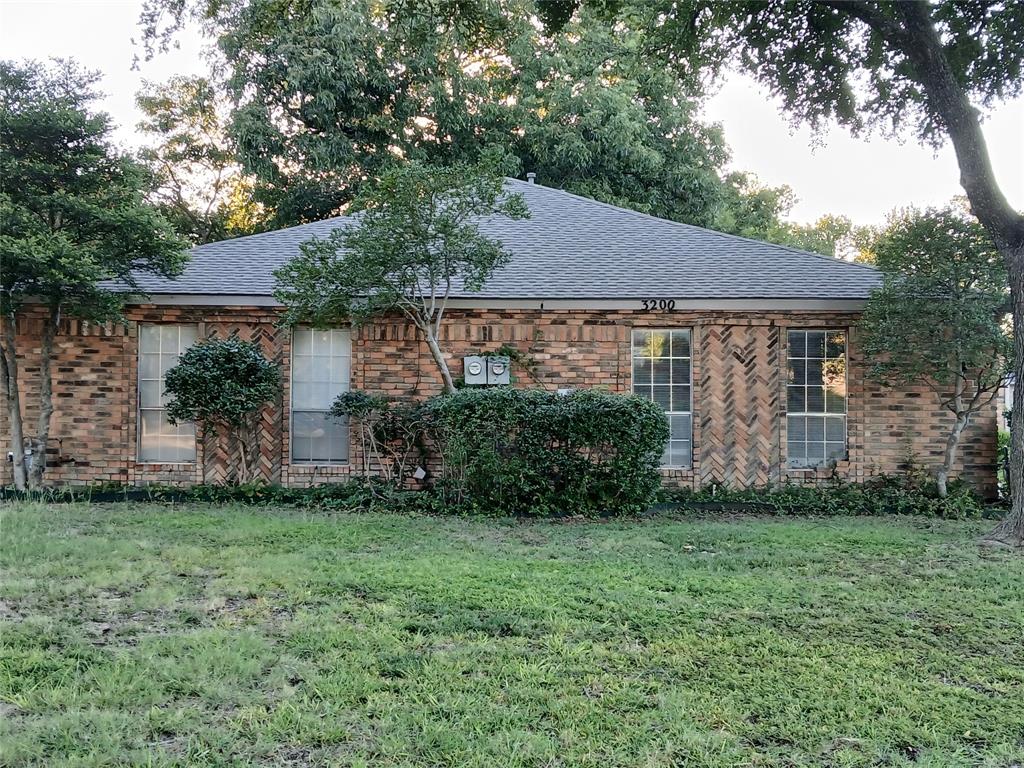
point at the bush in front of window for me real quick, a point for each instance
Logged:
(390, 434)
(223, 384)
(533, 452)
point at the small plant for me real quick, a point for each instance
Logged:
(223, 384)
(390, 434)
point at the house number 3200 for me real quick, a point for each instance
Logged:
(659, 305)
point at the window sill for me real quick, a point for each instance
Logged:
(819, 467)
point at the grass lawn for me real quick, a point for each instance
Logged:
(210, 636)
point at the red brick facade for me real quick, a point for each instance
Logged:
(739, 397)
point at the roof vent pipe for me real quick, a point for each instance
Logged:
(531, 178)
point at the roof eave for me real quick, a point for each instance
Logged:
(752, 303)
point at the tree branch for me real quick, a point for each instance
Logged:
(920, 43)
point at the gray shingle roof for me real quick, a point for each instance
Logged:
(570, 248)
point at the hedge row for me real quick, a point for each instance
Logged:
(884, 496)
(517, 452)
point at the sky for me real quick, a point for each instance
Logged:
(831, 173)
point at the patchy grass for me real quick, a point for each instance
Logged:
(234, 636)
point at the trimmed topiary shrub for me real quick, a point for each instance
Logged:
(532, 452)
(223, 384)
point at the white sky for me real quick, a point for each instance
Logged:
(862, 179)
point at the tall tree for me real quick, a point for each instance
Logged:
(829, 235)
(327, 92)
(74, 227)
(415, 239)
(939, 318)
(928, 66)
(199, 184)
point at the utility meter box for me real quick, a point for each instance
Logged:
(474, 370)
(478, 370)
(498, 370)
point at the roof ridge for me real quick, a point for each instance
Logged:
(270, 231)
(724, 235)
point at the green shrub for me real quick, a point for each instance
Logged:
(885, 495)
(390, 434)
(532, 452)
(224, 384)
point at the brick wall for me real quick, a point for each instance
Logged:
(739, 398)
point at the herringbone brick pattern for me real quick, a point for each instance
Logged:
(739, 405)
(222, 455)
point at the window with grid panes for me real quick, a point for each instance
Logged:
(160, 347)
(816, 397)
(662, 373)
(321, 365)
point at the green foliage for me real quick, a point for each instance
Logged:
(74, 224)
(416, 235)
(532, 452)
(886, 495)
(855, 62)
(199, 185)
(940, 315)
(390, 434)
(329, 92)
(752, 209)
(830, 236)
(355, 495)
(222, 382)
(75, 228)
(415, 238)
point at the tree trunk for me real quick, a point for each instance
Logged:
(9, 380)
(243, 470)
(1011, 529)
(442, 364)
(42, 437)
(919, 41)
(949, 455)
(204, 448)
(953, 440)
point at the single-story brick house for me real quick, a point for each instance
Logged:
(751, 348)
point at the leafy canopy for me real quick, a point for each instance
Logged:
(329, 92)
(414, 238)
(221, 381)
(199, 185)
(843, 60)
(73, 214)
(941, 312)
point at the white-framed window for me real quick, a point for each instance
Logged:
(816, 397)
(160, 347)
(321, 369)
(662, 372)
